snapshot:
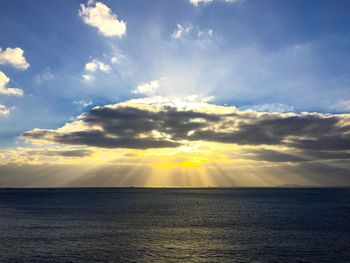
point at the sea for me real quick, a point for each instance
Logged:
(175, 225)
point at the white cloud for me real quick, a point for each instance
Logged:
(198, 2)
(147, 88)
(91, 66)
(203, 34)
(4, 111)
(87, 77)
(188, 31)
(271, 107)
(342, 105)
(95, 65)
(116, 56)
(181, 31)
(4, 80)
(44, 76)
(101, 16)
(13, 57)
(116, 59)
(82, 103)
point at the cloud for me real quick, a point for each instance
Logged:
(295, 156)
(14, 57)
(87, 77)
(342, 106)
(4, 111)
(271, 107)
(44, 76)
(95, 65)
(302, 131)
(100, 16)
(198, 2)
(147, 88)
(116, 59)
(181, 30)
(117, 56)
(64, 153)
(4, 80)
(82, 103)
(98, 138)
(136, 124)
(188, 31)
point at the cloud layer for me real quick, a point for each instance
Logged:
(135, 124)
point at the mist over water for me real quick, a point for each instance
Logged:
(175, 225)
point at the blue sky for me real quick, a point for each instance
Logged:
(269, 55)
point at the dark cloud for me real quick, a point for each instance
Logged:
(65, 153)
(101, 139)
(130, 122)
(139, 127)
(334, 142)
(294, 155)
(279, 129)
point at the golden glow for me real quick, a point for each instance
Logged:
(193, 165)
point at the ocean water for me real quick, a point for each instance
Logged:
(175, 225)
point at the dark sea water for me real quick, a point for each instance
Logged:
(175, 225)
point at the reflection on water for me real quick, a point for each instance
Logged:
(175, 225)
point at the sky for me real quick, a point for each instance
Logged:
(183, 93)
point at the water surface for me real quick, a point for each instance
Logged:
(175, 225)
